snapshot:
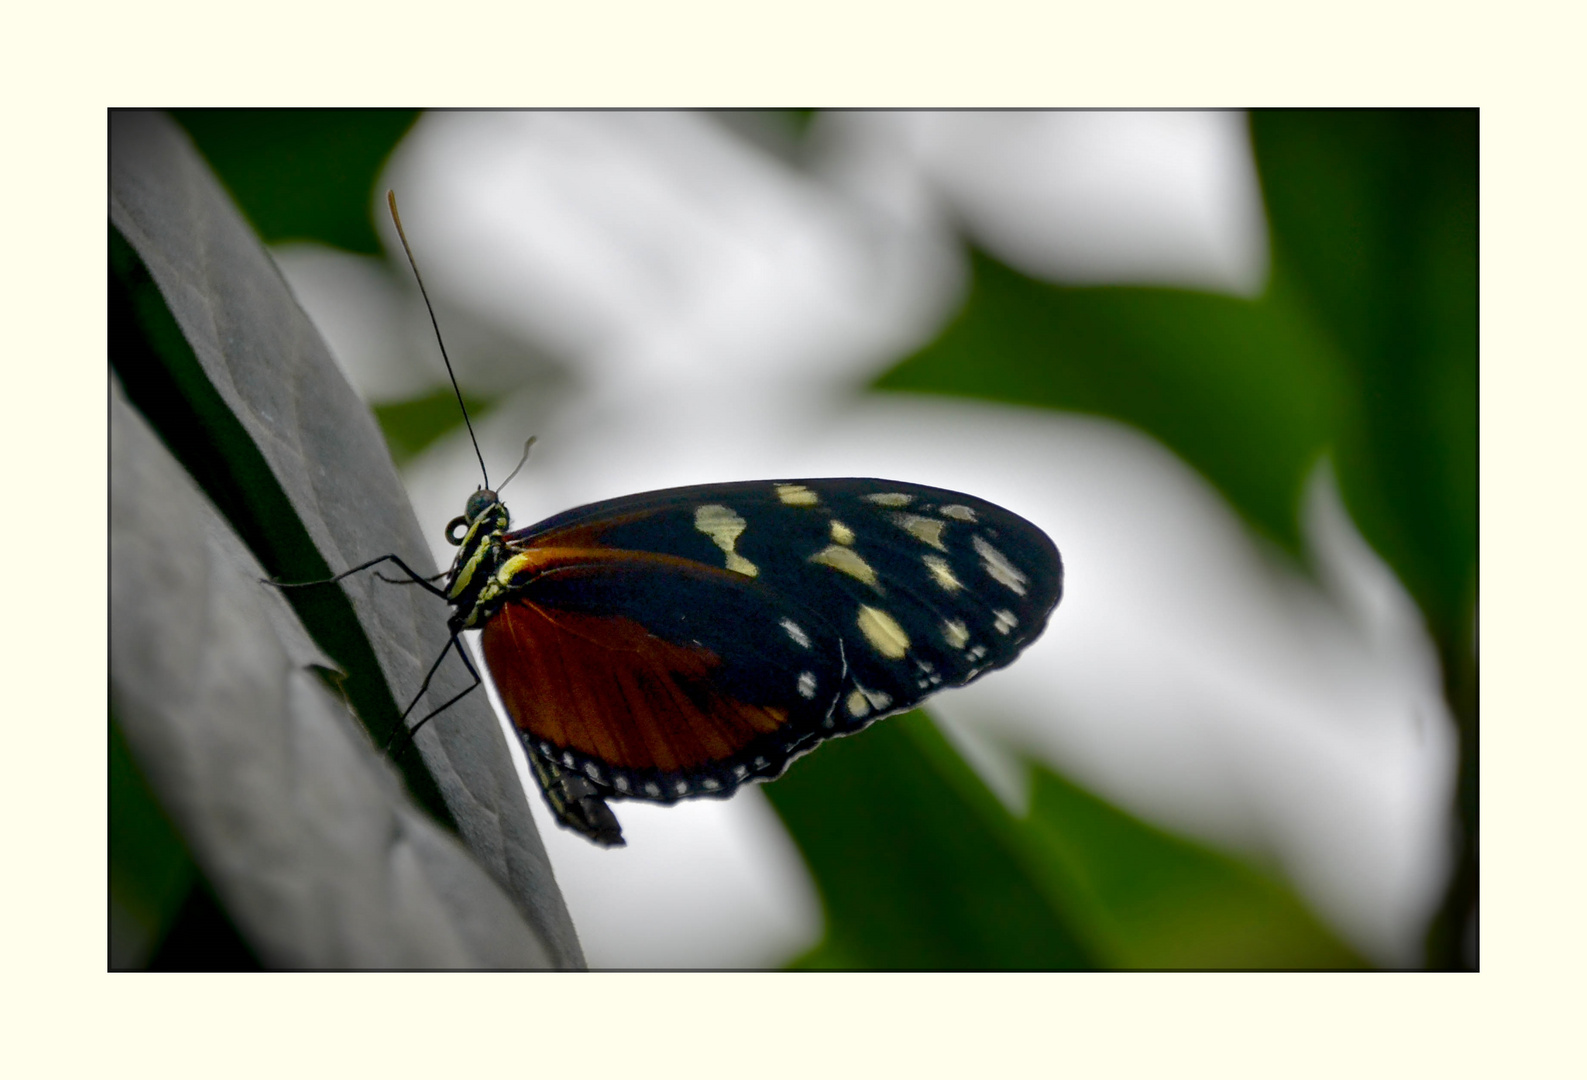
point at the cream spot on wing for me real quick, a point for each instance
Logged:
(807, 684)
(709, 784)
(681, 787)
(620, 782)
(941, 572)
(926, 530)
(796, 495)
(1005, 621)
(651, 789)
(845, 560)
(957, 512)
(889, 498)
(796, 632)
(841, 533)
(1002, 571)
(955, 633)
(724, 528)
(883, 632)
(861, 701)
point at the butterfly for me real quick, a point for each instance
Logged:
(678, 644)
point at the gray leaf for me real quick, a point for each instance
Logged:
(326, 477)
(306, 835)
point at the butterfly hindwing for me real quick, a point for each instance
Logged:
(680, 642)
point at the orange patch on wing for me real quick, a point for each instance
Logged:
(607, 687)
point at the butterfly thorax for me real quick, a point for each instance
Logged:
(472, 587)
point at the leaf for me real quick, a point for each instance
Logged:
(301, 173)
(1242, 389)
(410, 426)
(1364, 346)
(214, 351)
(307, 838)
(1374, 220)
(919, 866)
(151, 872)
(1156, 900)
(1374, 216)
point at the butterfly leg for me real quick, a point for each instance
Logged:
(407, 732)
(414, 581)
(416, 577)
(575, 802)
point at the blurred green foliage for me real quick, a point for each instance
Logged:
(150, 869)
(163, 913)
(1245, 390)
(1149, 899)
(922, 868)
(919, 865)
(1361, 348)
(301, 174)
(410, 426)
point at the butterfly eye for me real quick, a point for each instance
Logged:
(456, 529)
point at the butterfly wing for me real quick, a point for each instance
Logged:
(681, 642)
(659, 680)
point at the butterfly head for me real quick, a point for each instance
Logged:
(483, 514)
(479, 503)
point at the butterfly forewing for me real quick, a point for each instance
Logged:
(680, 642)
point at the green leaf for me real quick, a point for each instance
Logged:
(150, 869)
(1156, 900)
(1374, 220)
(1244, 390)
(918, 864)
(1363, 346)
(302, 174)
(412, 425)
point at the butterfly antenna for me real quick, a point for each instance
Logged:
(515, 468)
(391, 200)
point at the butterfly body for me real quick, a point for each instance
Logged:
(679, 643)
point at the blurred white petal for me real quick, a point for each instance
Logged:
(1102, 198)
